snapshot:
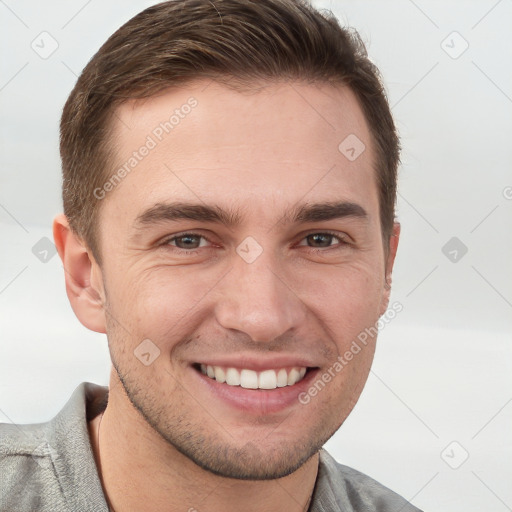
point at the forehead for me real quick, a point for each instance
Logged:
(265, 147)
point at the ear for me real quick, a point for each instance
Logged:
(84, 284)
(390, 261)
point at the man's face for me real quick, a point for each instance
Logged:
(278, 290)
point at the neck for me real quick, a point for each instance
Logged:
(141, 471)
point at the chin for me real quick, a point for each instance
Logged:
(250, 462)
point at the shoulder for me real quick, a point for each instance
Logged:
(28, 476)
(340, 487)
(41, 462)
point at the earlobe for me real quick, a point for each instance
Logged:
(84, 285)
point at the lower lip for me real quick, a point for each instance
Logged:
(258, 401)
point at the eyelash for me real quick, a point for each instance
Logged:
(166, 243)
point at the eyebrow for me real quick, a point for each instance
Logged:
(303, 213)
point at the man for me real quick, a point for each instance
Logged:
(229, 180)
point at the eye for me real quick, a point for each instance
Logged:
(323, 240)
(187, 241)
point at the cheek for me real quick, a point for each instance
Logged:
(349, 310)
(160, 303)
(345, 296)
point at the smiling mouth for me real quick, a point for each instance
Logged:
(250, 379)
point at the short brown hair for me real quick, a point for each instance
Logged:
(179, 41)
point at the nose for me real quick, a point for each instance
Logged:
(258, 299)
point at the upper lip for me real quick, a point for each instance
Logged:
(258, 363)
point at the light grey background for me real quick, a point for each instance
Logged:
(443, 366)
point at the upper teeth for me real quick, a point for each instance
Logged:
(249, 379)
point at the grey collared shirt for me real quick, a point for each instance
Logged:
(50, 467)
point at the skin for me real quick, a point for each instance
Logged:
(167, 441)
